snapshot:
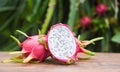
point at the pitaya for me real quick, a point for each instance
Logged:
(62, 44)
(101, 8)
(32, 48)
(85, 21)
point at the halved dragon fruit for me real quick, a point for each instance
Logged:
(62, 44)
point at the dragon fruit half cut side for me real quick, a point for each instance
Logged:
(62, 44)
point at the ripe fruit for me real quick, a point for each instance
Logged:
(62, 44)
(85, 21)
(35, 49)
(101, 9)
(32, 48)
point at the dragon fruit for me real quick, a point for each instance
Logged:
(101, 8)
(85, 21)
(33, 47)
(63, 45)
(60, 43)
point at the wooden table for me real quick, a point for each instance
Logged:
(101, 62)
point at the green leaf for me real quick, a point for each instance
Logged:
(18, 13)
(48, 15)
(7, 22)
(116, 38)
(72, 14)
(85, 35)
(60, 13)
(35, 9)
(2, 9)
(3, 2)
(30, 4)
(88, 8)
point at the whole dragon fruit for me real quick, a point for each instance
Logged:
(34, 47)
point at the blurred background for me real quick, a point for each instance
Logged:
(89, 18)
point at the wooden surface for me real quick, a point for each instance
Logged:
(101, 62)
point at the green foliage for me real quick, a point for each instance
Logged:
(48, 15)
(31, 15)
(116, 38)
(72, 14)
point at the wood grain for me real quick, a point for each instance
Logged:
(101, 62)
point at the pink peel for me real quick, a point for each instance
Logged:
(83, 50)
(32, 48)
(59, 37)
(62, 44)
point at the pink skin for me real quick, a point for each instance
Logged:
(32, 49)
(85, 21)
(38, 52)
(83, 50)
(29, 43)
(69, 60)
(79, 49)
(101, 8)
